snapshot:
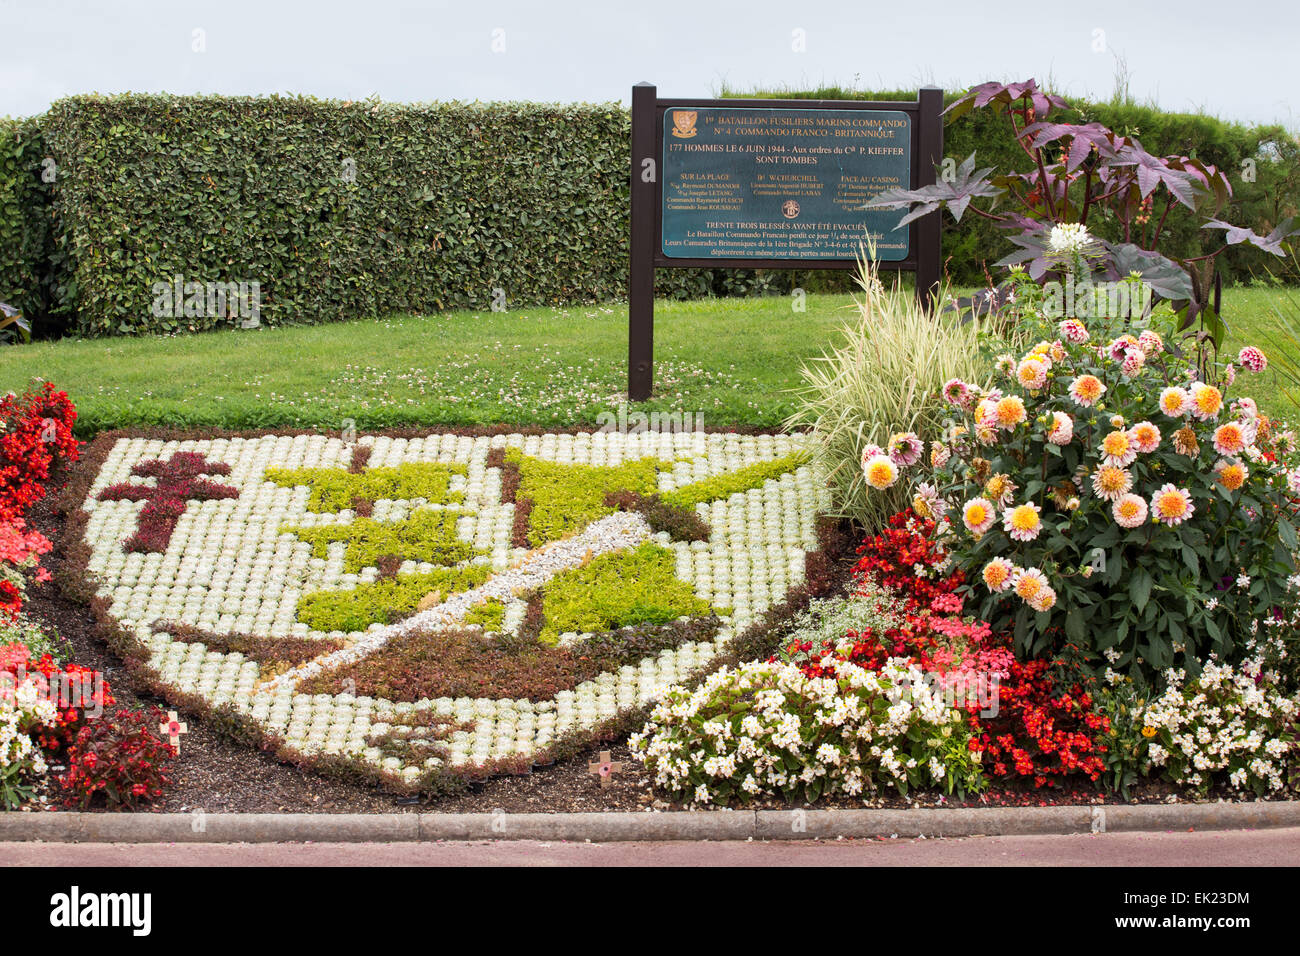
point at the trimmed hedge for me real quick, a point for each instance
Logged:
(974, 243)
(26, 248)
(337, 210)
(449, 203)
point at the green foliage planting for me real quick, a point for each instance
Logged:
(615, 590)
(384, 601)
(972, 245)
(489, 616)
(426, 535)
(566, 498)
(333, 489)
(733, 482)
(338, 210)
(25, 238)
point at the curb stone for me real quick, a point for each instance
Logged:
(66, 827)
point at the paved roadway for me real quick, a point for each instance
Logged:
(1209, 848)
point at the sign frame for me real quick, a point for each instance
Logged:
(646, 246)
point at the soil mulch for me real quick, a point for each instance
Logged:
(216, 775)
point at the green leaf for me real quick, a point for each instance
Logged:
(1139, 588)
(1075, 627)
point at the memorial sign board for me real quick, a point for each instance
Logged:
(773, 184)
(744, 183)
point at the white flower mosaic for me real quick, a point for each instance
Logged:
(231, 568)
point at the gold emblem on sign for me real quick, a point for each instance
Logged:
(684, 123)
(789, 209)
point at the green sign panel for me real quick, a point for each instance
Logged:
(761, 183)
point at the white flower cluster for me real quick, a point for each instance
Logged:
(229, 569)
(1227, 719)
(1069, 237)
(23, 709)
(765, 728)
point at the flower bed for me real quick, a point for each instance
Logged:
(401, 560)
(891, 688)
(1108, 492)
(53, 713)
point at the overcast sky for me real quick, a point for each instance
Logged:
(1236, 60)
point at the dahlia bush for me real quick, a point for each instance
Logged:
(767, 729)
(1109, 492)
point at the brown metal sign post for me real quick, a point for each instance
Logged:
(711, 166)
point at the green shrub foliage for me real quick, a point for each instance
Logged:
(26, 249)
(346, 210)
(337, 210)
(975, 243)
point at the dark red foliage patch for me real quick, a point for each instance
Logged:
(178, 481)
(681, 524)
(360, 457)
(267, 651)
(465, 663)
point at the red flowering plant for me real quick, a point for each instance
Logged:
(121, 759)
(20, 551)
(1046, 725)
(906, 558)
(1030, 720)
(906, 562)
(35, 437)
(79, 694)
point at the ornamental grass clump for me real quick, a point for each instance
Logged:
(885, 377)
(766, 729)
(1108, 492)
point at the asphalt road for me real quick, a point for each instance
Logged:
(1280, 847)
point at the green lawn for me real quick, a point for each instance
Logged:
(1252, 321)
(727, 359)
(730, 360)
